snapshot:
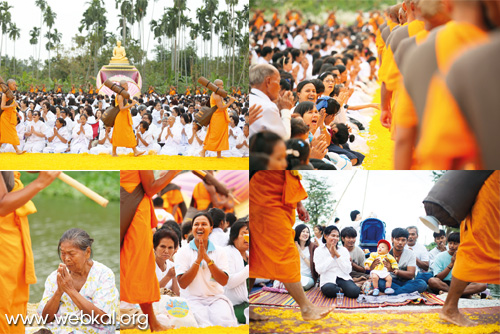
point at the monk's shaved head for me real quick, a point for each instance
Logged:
(218, 82)
(433, 13)
(394, 12)
(11, 81)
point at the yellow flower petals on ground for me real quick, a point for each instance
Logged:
(290, 321)
(84, 161)
(194, 330)
(381, 155)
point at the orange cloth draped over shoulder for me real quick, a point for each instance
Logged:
(17, 267)
(201, 196)
(273, 198)
(217, 138)
(8, 122)
(440, 108)
(170, 199)
(123, 134)
(137, 260)
(479, 253)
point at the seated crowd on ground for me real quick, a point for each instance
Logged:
(333, 261)
(163, 124)
(314, 85)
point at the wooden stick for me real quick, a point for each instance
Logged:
(84, 190)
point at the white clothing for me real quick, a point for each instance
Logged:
(305, 270)
(271, 119)
(421, 253)
(56, 145)
(261, 60)
(80, 142)
(160, 274)
(149, 138)
(50, 119)
(218, 237)
(330, 268)
(173, 142)
(34, 143)
(236, 287)
(163, 215)
(205, 296)
(433, 253)
(69, 124)
(195, 148)
(105, 148)
(233, 138)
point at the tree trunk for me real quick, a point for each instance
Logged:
(124, 32)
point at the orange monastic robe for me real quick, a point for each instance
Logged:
(170, 199)
(17, 267)
(201, 196)
(123, 134)
(8, 122)
(138, 282)
(217, 138)
(479, 253)
(273, 198)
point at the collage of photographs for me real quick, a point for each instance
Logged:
(249, 166)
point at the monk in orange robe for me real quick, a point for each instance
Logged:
(274, 196)
(44, 89)
(442, 46)
(8, 120)
(188, 91)
(217, 138)
(478, 256)
(17, 268)
(204, 91)
(37, 89)
(32, 90)
(173, 202)
(80, 90)
(123, 134)
(139, 284)
(59, 89)
(73, 90)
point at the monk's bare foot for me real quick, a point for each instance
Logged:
(254, 316)
(114, 155)
(138, 153)
(315, 312)
(19, 152)
(456, 318)
(157, 327)
(202, 154)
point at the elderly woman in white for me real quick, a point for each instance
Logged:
(82, 134)
(237, 255)
(333, 264)
(104, 145)
(195, 142)
(202, 272)
(35, 134)
(172, 135)
(58, 138)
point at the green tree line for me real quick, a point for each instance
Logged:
(175, 60)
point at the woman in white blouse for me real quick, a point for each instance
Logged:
(35, 134)
(237, 256)
(165, 243)
(82, 134)
(333, 264)
(59, 138)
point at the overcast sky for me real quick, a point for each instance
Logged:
(70, 12)
(395, 197)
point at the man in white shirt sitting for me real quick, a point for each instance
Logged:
(145, 139)
(276, 115)
(266, 54)
(420, 253)
(440, 240)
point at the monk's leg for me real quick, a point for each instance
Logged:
(154, 325)
(309, 310)
(202, 153)
(219, 154)
(18, 151)
(450, 311)
(252, 314)
(113, 154)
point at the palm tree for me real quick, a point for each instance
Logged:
(140, 9)
(14, 34)
(210, 8)
(52, 39)
(94, 21)
(34, 34)
(49, 18)
(5, 20)
(42, 4)
(231, 4)
(126, 15)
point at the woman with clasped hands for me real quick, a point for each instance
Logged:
(202, 272)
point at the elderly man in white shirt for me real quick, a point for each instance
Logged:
(172, 136)
(265, 83)
(421, 254)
